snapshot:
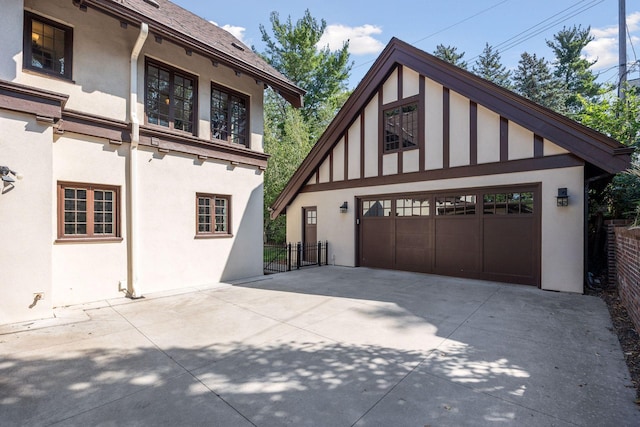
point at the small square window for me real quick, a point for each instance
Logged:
(213, 215)
(400, 128)
(88, 211)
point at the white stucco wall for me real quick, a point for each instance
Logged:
(25, 225)
(562, 228)
(459, 125)
(89, 271)
(170, 256)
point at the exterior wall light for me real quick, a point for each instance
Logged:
(6, 173)
(562, 198)
(344, 207)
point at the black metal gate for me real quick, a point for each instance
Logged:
(279, 258)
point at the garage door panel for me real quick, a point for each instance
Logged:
(484, 233)
(509, 246)
(377, 243)
(457, 245)
(414, 244)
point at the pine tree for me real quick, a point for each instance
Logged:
(571, 67)
(488, 66)
(533, 80)
(449, 54)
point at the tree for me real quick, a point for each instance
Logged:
(289, 134)
(294, 51)
(620, 119)
(533, 80)
(571, 68)
(489, 67)
(450, 54)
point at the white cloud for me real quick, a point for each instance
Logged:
(361, 40)
(604, 47)
(236, 31)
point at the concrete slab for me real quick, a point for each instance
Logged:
(323, 346)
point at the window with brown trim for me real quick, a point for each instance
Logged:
(456, 205)
(376, 208)
(400, 127)
(229, 116)
(508, 203)
(47, 46)
(412, 207)
(170, 97)
(88, 211)
(213, 215)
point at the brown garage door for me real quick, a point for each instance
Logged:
(490, 233)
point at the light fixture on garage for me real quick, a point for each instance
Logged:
(344, 207)
(6, 172)
(562, 197)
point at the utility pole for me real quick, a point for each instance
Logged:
(622, 46)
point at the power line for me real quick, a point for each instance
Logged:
(444, 29)
(459, 22)
(527, 34)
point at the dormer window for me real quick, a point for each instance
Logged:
(229, 116)
(47, 46)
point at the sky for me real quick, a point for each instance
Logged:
(510, 26)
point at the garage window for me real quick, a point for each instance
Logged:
(412, 207)
(456, 205)
(508, 203)
(376, 208)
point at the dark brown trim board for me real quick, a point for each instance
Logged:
(473, 133)
(585, 144)
(504, 139)
(446, 127)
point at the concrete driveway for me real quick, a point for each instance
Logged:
(327, 346)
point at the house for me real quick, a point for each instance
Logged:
(430, 168)
(137, 127)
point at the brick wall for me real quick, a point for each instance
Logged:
(628, 270)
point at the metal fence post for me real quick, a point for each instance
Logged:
(326, 252)
(298, 255)
(289, 256)
(319, 254)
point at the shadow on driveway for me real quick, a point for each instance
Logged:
(329, 346)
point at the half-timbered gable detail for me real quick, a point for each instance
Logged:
(447, 173)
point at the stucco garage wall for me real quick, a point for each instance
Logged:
(562, 228)
(25, 218)
(170, 255)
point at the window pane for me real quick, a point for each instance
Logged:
(409, 126)
(47, 47)
(392, 129)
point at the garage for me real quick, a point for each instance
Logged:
(430, 168)
(487, 233)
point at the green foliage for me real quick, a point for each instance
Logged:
(620, 119)
(451, 55)
(571, 68)
(489, 67)
(294, 51)
(533, 80)
(288, 146)
(289, 134)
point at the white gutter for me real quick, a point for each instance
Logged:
(133, 288)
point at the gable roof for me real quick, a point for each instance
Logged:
(184, 28)
(589, 145)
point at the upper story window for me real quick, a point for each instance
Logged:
(48, 46)
(400, 127)
(229, 116)
(170, 97)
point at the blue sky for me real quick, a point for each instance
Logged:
(514, 26)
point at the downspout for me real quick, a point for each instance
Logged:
(587, 183)
(133, 288)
